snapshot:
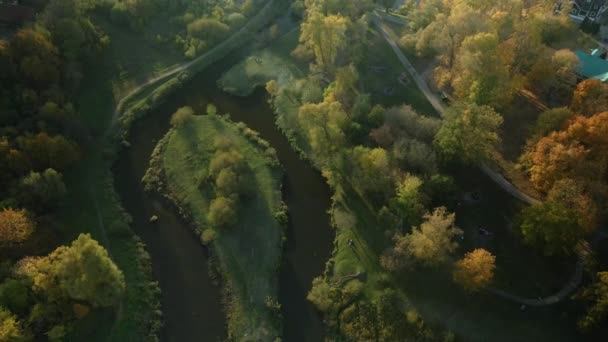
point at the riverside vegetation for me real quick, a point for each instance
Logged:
(227, 182)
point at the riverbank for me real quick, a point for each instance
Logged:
(354, 281)
(94, 206)
(247, 250)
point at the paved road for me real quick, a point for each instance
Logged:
(498, 178)
(440, 108)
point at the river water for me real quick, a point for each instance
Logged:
(190, 300)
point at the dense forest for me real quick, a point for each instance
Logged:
(465, 153)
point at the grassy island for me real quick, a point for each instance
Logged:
(227, 181)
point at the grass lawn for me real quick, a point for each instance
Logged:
(380, 77)
(273, 63)
(249, 253)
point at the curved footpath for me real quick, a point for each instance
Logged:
(497, 177)
(209, 57)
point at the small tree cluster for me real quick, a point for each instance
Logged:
(429, 244)
(231, 179)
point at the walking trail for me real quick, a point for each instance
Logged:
(498, 178)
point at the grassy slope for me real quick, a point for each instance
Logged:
(433, 292)
(248, 253)
(374, 82)
(262, 66)
(93, 205)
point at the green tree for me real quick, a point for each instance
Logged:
(325, 36)
(10, 327)
(323, 124)
(433, 241)
(45, 151)
(43, 191)
(367, 165)
(323, 295)
(551, 227)
(482, 71)
(82, 271)
(410, 199)
(38, 58)
(209, 30)
(597, 295)
(551, 120)
(469, 132)
(15, 296)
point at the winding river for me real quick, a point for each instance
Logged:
(191, 302)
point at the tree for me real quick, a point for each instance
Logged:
(15, 226)
(325, 36)
(182, 116)
(551, 227)
(45, 151)
(323, 124)
(573, 195)
(551, 120)
(38, 58)
(15, 296)
(209, 30)
(43, 191)
(577, 152)
(476, 270)
(367, 164)
(555, 76)
(597, 294)
(433, 241)
(469, 132)
(482, 71)
(590, 97)
(222, 212)
(323, 296)
(10, 327)
(82, 271)
(410, 199)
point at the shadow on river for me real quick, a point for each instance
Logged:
(190, 301)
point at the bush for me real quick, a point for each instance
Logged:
(236, 20)
(222, 212)
(182, 116)
(208, 235)
(209, 30)
(15, 296)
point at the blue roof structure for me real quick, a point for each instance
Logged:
(592, 65)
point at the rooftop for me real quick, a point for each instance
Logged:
(592, 65)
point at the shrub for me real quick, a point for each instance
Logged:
(222, 212)
(182, 116)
